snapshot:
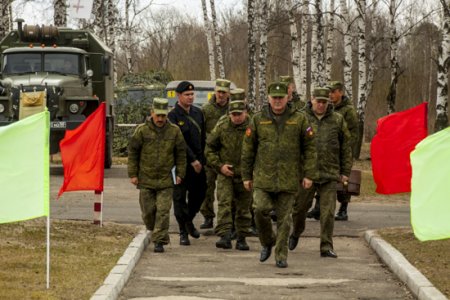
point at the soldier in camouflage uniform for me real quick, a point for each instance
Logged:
(344, 106)
(334, 164)
(223, 152)
(154, 149)
(277, 141)
(293, 96)
(213, 111)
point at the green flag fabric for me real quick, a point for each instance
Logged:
(24, 169)
(430, 187)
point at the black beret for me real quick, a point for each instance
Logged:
(184, 86)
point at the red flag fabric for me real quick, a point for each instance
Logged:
(83, 154)
(397, 135)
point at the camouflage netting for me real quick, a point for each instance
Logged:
(133, 98)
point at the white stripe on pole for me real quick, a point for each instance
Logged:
(48, 250)
(101, 212)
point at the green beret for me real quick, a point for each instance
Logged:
(321, 93)
(335, 85)
(223, 85)
(237, 94)
(160, 106)
(236, 106)
(287, 79)
(277, 89)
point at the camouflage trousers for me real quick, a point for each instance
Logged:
(207, 208)
(231, 194)
(155, 209)
(303, 201)
(263, 203)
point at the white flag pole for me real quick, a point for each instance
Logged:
(48, 250)
(101, 212)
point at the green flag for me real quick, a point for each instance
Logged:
(24, 169)
(430, 187)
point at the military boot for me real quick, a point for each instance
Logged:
(315, 212)
(192, 230)
(342, 213)
(241, 244)
(208, 223)
(184, 239)
(224, 242)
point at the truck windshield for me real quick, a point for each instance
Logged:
(21, 63)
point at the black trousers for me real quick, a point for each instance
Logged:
(194, 186)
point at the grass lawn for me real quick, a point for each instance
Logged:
(81, 255)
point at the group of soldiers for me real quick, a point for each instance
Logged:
(271, 162)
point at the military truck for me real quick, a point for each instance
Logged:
(74, 70)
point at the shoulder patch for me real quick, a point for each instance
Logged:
(248, 132)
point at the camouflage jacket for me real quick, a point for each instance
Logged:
(212, 113)
(334, 156)
(296, 102)
(224, 145)
(152, 153)
(347, 110)
(272, 150)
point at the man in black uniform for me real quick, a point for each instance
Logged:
(192, 124)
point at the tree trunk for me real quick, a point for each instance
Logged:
(128, 46)
(60, 13)
(112, 24)
(217, 38)
(371, 50)
(442, 76)
(251, 54)
(320, 78)
(362, 72)
(4, 18)
(347, 62)
(330, 42)
(99, 21)
(393, 60)
(212, 64)
(291, 8)
(263, 20)
(302, 89)
(313, 68)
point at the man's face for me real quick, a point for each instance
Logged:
(159, 120)
(186, 98)
(278, 104)
(319, 106)
(336, 96)
(237, 118)
(222, 97)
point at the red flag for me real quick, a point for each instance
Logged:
(397, 135)
(83, 154)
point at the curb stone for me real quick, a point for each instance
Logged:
(118, 277)
(419, 285)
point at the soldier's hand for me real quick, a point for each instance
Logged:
(134, 180)
(344, 178)
(307, 183)
(197, 166)
(179, 180)
(227, 170)
(248, 185)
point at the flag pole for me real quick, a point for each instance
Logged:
(101, 212)
(48, 251)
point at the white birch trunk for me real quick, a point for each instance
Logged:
(4, 18)
(217, 39)
(320, 63)
(128, 33)
(60, 13)
(330, 42)
(442, 75)
(208, 33)
(251, 54)
(393, 58)
(302, 89)
(347, 48)
(263, 25)
(112, 25)
(291, 8)
(371, 50)
(314, 74)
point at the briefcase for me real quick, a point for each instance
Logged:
(353, 185)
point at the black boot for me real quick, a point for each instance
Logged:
(184, 239)
(241, 244)
(342, 213)
(159, 248)
(315, 212)
(224, 242)
(208, 223)
(192, 230)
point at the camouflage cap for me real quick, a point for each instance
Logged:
(321, 93)
(160, 106)
(335, 85)
(237, 94)
(184, 86)
(236, 106)
(286, 79)
(277, 89)
(223, 85)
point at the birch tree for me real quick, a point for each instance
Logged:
(251, 54)
(362, 72)
(320, 63)
(99, 24)
(302, 89)
(291, 8)
(393, 58)
(113, 21)
(263, 26)
(314, 57)
(217, 39)
(4, 18)
(443, 64)
(330, 42)
(208, 32)
(371, 49)
(60, 13)
(347, 61)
